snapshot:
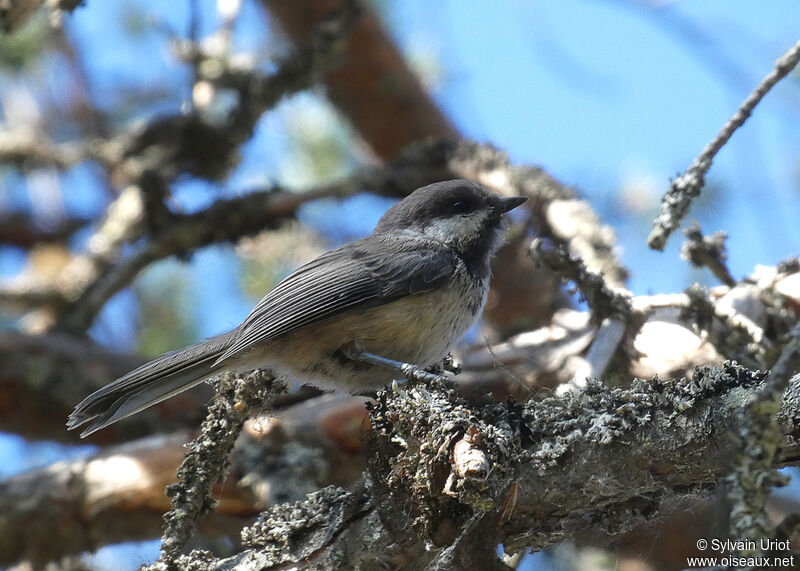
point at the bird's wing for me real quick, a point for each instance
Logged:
(347, 278)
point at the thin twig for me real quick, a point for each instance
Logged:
(708, 251)
(675, 203)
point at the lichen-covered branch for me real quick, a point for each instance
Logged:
(468, 461)
(610, 307)
(708, 251)
(603, 301)
(675, 203)
(753, 475)
(206, 462)
(610, 456)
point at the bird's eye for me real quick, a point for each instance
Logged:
(460, 206)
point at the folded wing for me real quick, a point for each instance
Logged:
(349, 278)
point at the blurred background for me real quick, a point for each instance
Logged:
(613, 98)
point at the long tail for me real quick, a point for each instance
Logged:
(151, 383)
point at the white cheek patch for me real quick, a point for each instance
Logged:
(454, 230)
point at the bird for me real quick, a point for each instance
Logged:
(398, 299)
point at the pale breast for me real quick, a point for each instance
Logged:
(418, 329)
(422, 328)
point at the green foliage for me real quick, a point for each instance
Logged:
(22, 49)
(321, 144)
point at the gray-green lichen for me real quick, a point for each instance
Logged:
(284, 528)
(612, 456)
(603, 415)
(206, 461)
(416, 430)
(606, 459)
(760, 437)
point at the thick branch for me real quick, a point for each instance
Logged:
(374, 87)
(615, 418)
(609, 456)
(43, 376)
(76, 506)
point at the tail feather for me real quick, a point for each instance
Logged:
(151, 383)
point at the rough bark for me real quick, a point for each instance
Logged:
(605, 458)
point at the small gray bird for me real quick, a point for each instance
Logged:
(403, 295)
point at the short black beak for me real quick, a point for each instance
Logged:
(507, 204)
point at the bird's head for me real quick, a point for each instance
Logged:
(459, 213)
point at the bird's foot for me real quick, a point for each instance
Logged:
(409, 371)
(447, 365)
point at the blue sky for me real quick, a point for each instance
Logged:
(604, 94)
(613, 98)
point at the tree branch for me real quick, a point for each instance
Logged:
(20, 230)
(119, 494)
(675, 203)
(231, 219)
(374, 87)
(611, 456)
(753, 475)
(207, 462)
(43, 376)
(539, 351)
(78, 505)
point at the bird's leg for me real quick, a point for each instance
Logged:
(409, 371)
